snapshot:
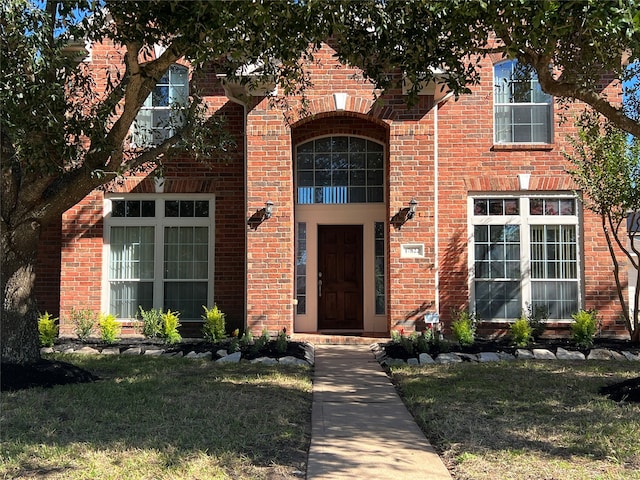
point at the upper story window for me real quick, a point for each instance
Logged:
(163, 110)
(523, 113)
(340, 169)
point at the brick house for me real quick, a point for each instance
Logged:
(361, 216)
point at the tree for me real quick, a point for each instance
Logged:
(62, 137)
(606, 166)
(575, 46)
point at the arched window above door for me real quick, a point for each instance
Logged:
(340, 169)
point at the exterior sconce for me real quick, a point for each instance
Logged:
(412, 208)
(268, 209)
(404, 214)
(261, 215)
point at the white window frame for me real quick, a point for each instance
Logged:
(140, 129)
(496, 104)
(159, 222)
(524, 220)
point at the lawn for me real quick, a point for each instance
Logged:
(526, 420)
(160, 418)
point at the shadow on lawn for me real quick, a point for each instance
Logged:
(177, 407)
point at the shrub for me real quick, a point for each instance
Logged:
(109, 328)
(214, 324)
(170, 326)
(84, 322)
(152, 326)
(281, 341)
(463, 327)
(537, 316)
(261, 341)
(246, 339)
(47, 329)
(521, 332)
(584, 327)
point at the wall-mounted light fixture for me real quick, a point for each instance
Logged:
(405, 214)
(261, 215)
(268, 209)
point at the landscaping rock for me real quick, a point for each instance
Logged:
(562, 354)
(599, 354)
(222, 353)
(488, 357)
(523, 354)
(205, 355)
(506, 356)
(87, 351)
(630, 356)
(467, 357)
(448, 358)
(46, 350)
(617, 355)
(110, 351)
(132, 351)
(265, 361)
(413, 361)
(543, 354)
(425, 359)
(231, 358)
(153, 351)
(293, 361)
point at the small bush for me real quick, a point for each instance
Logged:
(260, 342)
(584, 328)
(84, 322)
(170, 325)
(152, 326)
(463, 328)
(214, 324)
(246, 339)
(109, 328)
(47, 329)
(281, 341)
(537, 317)
(521, 332)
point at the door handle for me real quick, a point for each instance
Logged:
(319, 284)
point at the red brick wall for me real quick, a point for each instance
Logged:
(468, 162)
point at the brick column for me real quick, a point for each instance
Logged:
(270, 245)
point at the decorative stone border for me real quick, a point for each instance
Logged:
(521, 354)
(160, 351)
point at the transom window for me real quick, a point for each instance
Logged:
(524, 252)
(164, 109)
(523, 112)
(340, 169)
(159, 256)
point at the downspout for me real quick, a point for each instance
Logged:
(436, 209)
(436, 200)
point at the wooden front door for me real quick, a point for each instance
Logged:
(340, 277)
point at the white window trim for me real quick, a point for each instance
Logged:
(527, 104)
(159, 222)
(524, 219)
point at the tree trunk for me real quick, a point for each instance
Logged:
(19, 342)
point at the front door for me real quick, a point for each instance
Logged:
(340, 277)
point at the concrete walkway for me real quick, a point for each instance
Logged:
(360, 427)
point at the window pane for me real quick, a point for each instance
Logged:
(301, 268)
(201, 209)
(337, 162)
(186, 298)
(126, 297)
(171, 208)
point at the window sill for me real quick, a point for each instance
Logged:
(510, 147)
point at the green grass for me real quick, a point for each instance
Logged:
(526, 420)
(160, 418)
